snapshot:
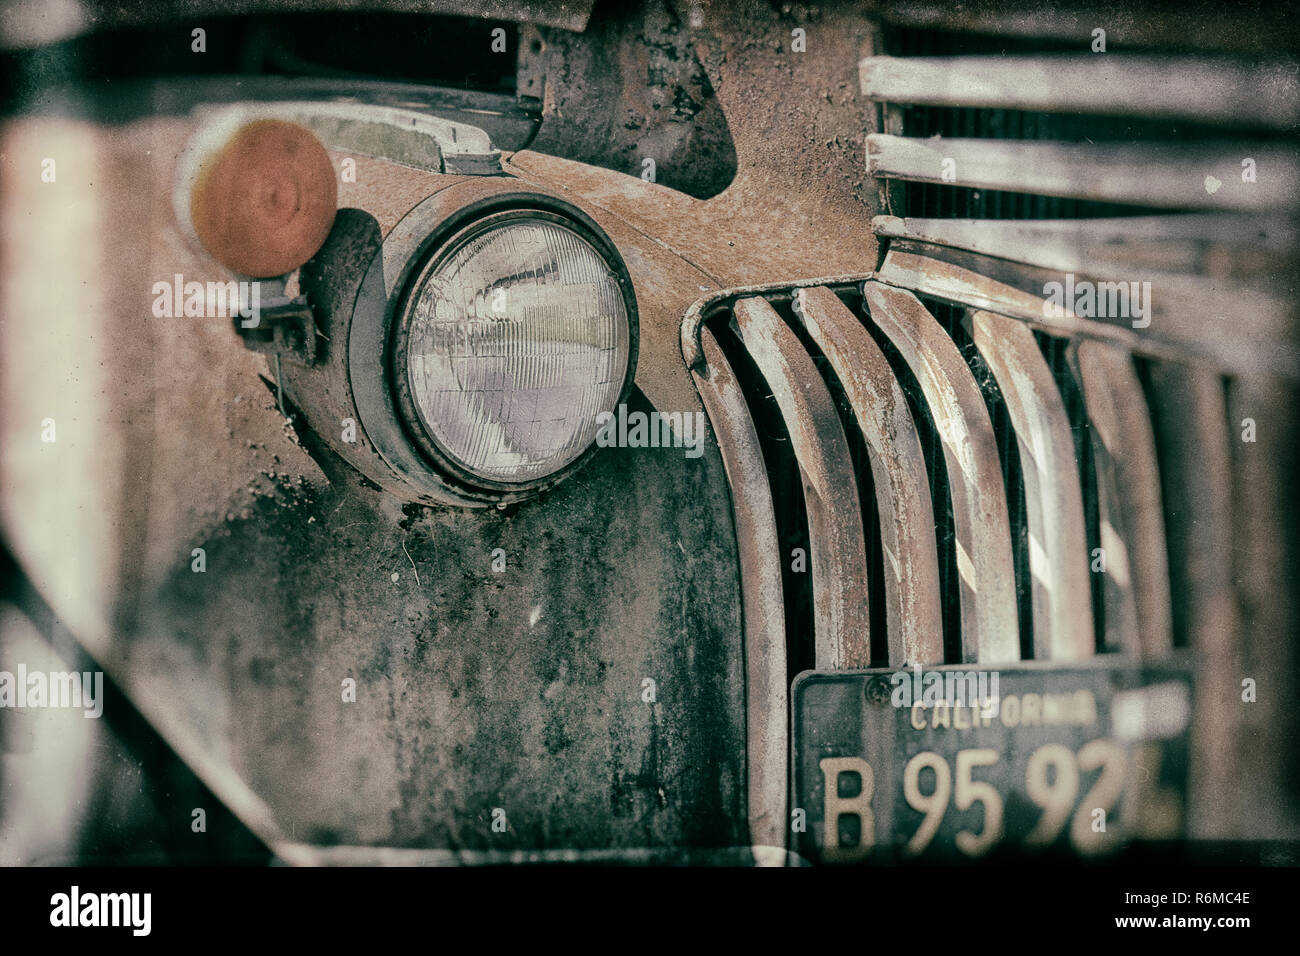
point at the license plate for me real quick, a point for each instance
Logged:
(954, 763)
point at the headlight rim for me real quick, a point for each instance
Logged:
(445, 240)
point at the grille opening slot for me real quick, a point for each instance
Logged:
(938, 201)
(905, 39)
(937, 473)
(987, 122)
(860, 458)
(787, 491)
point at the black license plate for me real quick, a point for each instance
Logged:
(988, 762)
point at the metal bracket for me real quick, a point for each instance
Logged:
(286, 326)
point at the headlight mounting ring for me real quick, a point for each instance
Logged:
(376, 361)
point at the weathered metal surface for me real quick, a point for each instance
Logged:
(1234, 328)
(989, 624)
(173, 443)
(629, 94)
(1194, 436)
(1121, 421)
(1264, 435)
(914, 620)
(760, 229)
(1164, 175)
(405, 136)
(1058, 540)
(762, 604)
(836, 545)
(938, 279)
(1216, 245)
(475, 690)
(1118, 600)
(1215, 90)
(693, 319)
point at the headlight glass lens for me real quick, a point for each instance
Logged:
(514, 342)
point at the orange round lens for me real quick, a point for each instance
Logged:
(263, 203)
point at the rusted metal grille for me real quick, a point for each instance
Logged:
(1136, 107)
(986, 459)
(917, 479)
(1077, 470)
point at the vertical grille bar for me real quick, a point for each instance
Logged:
(907, 523)
(836, 540)
(985, 566)
(1192, 420)
(1126, 448)
(1058, 540)
(766, 713)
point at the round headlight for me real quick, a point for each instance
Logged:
(512, 338)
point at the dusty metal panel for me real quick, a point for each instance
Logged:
(1214, 90)
(1162, 175)
(763, 607)
(465, 700)
(628, 93)
(474, 689)
(1058, 540)
(989, 624)
(836, 545)
(1264, 436)
(898, 469)
(1121, 421)
(1194, 435)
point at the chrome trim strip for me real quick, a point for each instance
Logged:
(1234, 329)
(1172, 248)
(402, 136)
